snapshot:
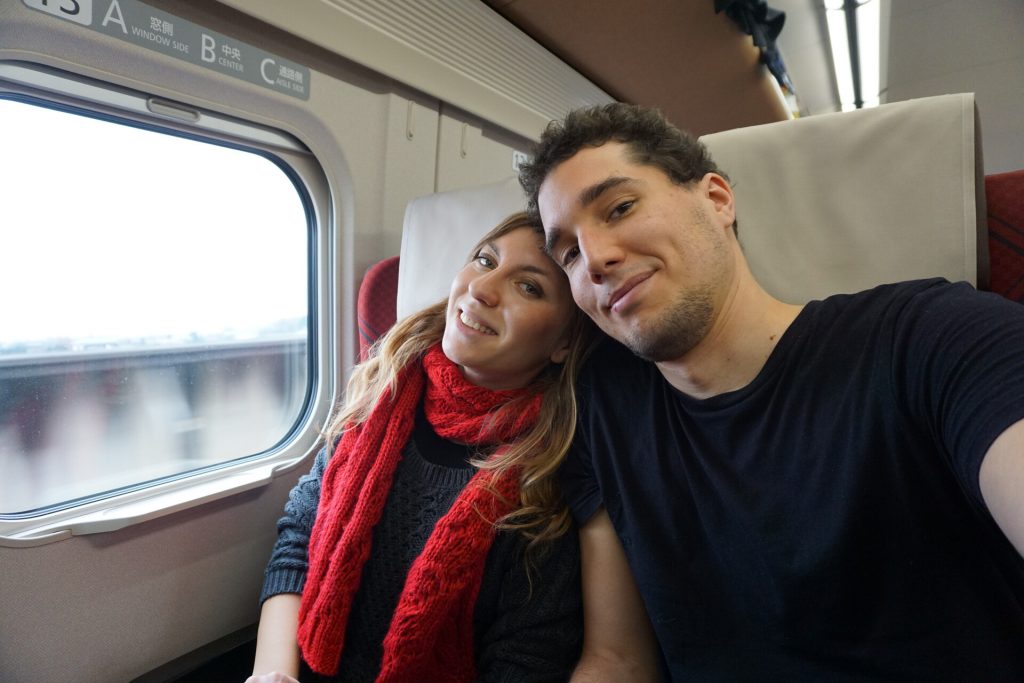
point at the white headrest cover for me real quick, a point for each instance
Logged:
(439, 231)
(844, 202)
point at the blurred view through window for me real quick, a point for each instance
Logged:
(154, 292)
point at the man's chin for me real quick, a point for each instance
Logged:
(645, 346)
(659, 348)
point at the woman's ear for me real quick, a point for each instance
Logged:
(561, 351)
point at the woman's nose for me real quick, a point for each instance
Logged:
(484, 288)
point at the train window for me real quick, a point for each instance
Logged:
(154, 315)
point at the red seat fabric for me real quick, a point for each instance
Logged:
(375, 307)
(1004, 193)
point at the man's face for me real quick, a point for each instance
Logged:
(648, 260)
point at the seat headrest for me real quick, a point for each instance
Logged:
(439, 231)
(826, 204)
(843, 202)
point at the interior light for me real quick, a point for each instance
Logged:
(840, 56)
(868, 32)
(857, 81)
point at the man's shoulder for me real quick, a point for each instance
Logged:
(899, 291)
(904, 315)
(932, 298)
(893, 300)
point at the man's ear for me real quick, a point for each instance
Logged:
(719, 194)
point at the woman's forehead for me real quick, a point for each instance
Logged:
(526, 246)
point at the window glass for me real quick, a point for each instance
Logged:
(154, 292)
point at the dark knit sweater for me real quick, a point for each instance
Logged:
(518, 635)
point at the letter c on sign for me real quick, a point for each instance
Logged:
(263, 69)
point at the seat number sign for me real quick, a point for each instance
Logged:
(150, 28)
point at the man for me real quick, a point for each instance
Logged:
(822, 492)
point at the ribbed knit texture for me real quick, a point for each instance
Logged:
(420, 495)
(431, 635)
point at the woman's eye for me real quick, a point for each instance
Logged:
(484, 260)
(530, 289)
(621, 209)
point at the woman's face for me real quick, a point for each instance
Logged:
(508, 312)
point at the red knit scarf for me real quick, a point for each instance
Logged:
(431, 632)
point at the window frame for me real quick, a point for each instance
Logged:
(110, 511)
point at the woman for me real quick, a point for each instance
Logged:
(451, 431)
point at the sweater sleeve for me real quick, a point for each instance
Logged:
(286, 570)
(532, 628)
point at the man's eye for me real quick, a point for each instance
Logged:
(621, 209)
(569, 255)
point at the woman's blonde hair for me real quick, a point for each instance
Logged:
(542, 514)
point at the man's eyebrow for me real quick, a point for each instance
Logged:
(551, 239)
(590, 194)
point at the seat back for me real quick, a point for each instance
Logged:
(375, 307)
(1005, 195)
(843, 202)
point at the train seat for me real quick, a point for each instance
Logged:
(832, 203)
(1004, 193)
(843, 202)
(375, 307)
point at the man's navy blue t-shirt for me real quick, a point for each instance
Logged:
(824, 522)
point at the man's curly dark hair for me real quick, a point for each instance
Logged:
(650, 138)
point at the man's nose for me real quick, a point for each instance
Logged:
(600, 252)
